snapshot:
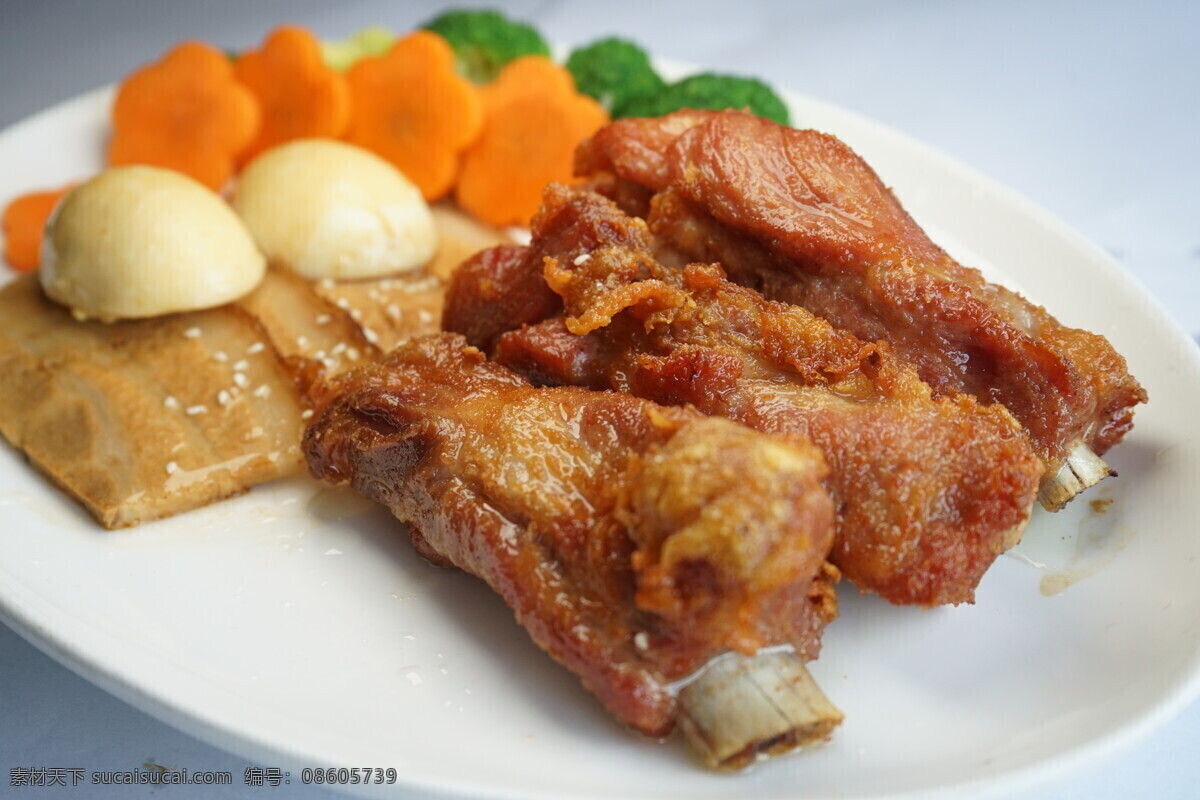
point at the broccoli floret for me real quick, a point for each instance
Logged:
(613, 71)
(709, 90)
(484, 41)
(372, 41)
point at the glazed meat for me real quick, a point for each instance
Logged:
(634, 542)
(799, 216)
(928, 491)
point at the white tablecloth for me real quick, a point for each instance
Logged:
(1090, 109)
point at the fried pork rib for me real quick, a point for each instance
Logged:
(799, 216)
(635, 542)
(928, 491)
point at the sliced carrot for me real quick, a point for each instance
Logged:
(410, 107)
(533, 120)
(185, 112)
(299, 94)
(23, 224)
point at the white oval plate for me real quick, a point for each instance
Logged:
(264, 626)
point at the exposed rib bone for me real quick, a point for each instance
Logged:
(1081, 470)
(741, 709)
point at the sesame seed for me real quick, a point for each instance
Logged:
(370, 335)
(262, 391)
(241, 366)
(220, 356)
(393, 312)
(302, 341)
(172, 467)
(241, 380)
(191, 333)
(306, 413)
(223, 397)
(170, 402)
(423, 285)
(356, 315)
(328, 363)
(338, 349)
(641, 640)
(425, 315)
(194, 410)
(582, 259)
(352, 353)
(420, 284)
(325, 283)
(323, 319)
(342, 303)
(257, 347)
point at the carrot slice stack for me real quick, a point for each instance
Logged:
(533, 120)
(23, 222)
(412, 108)
(299, 94)
(186, 112)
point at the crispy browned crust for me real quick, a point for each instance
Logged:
(799, 216)
(928, 490)
(634, 542)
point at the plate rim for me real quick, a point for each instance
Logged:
(20, 614)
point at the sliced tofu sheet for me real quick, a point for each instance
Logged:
(143, 419)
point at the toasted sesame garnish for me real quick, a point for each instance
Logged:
(582, 259)
(641, 640)
(192, 411)
(370, 335)
(241, 366)
(306, 413)
(422, 285)
(170, 402)
(262, 391)
(172, 467)
(338, 349)
(352, 353)
(257, 347)
(425, 315)
(220, 356)
(223, 397)
(302, 342)
(241, 380)
(393, 312)
(342, 303)
(323, 319)
(192, 333)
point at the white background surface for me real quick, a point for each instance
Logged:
(1089, 109)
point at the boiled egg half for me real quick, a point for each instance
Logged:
(141, 241)
(326, 209)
